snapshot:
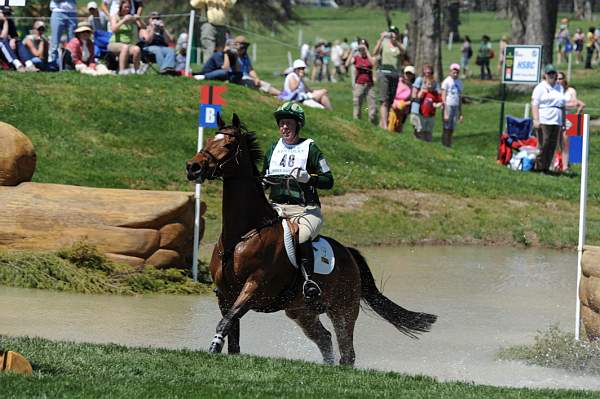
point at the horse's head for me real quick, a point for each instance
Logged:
(224, 155)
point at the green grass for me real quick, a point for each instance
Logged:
(136, 132)
(64, 369)
(81, 268)
(558, 349)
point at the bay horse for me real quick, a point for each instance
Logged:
(252, 271)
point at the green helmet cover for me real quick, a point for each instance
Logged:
(292, 110)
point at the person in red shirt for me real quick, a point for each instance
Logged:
(430, 99)
(363, 83)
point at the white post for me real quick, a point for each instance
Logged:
(526, 113)
(569, 68)
(198, 55)
(582, 210)
(450, 38)
(300, 37)
(290, 58)
(253, 52)
(197, 215)
(188, 55)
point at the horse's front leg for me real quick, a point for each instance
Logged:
(230, 323)
(233, 338)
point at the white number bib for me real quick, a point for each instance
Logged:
(288, 158)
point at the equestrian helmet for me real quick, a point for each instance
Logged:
(292, 110)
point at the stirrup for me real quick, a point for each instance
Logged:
(311, 290)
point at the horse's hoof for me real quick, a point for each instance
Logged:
(214, 348)
(216, 345)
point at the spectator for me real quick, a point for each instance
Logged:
(9, 41)
(181, 50)
(223, 65)
(213, 32)
(590, 43)
(249, 76)
(363, 84)
(452, 93)
(36, 47)
(547, 107)
(81, 52)
(484, 56)
(563, 38)
(156, 39)
(294, 88)
(578, 39)
(501, 47)
(98, 20)
(327, 64)
(317, 68)
(305, 52)
(123, 41)
(390, 52)
(111, 7)
(63, 19)
(346, 54)
(354, 53)
(422, 115)
(402, 100)
(336, 60)
(466, 54)
(572, 106)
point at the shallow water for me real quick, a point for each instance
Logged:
(486, 298)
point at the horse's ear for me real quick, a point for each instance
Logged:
(220, 121)
(235, 121)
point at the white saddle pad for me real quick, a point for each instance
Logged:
(324, 257)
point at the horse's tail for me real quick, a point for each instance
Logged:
(407, 322)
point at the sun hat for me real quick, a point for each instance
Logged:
(455, 66)
(83, 27)
(410, 69)
(241, 39)
(92, 4)
(154, 14)
(38, 24)
(549, 68)
(394, 29)
(298, 64)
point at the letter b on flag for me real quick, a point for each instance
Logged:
(208, 115)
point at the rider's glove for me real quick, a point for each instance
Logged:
(302, 176)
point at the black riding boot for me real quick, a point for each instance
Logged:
(310, 289)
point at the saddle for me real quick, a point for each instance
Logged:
(323, 252)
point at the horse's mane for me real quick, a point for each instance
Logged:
(256, 153)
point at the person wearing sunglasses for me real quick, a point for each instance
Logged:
(35, 46)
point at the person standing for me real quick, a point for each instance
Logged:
(572, 106)
(547, 108)
(302, 160)
(390, 52)
(421, 114)
(590, 45)
(63, 19)
(213, 31)
(363, 83)
(501, 47)
(452, 94)
(466, 54)
(578, 39)
(484, 56)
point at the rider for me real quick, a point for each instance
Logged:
(301, 159)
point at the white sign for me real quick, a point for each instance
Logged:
(12, 3)
(522, 64)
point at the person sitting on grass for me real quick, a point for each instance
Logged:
(223, 65)
(35, 47)
(156, 40)
(81, 52)
(9, 41)
(294, 88)
(123, 42)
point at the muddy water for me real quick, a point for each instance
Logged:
(486, 298)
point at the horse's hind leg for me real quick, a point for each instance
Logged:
(343, 323)
(314, 330)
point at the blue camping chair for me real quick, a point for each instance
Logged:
(101, 40)
(518, 128)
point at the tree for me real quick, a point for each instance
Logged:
(425, 34)
(518, 11)
(502, 8)
(451, 18)
(541, 26)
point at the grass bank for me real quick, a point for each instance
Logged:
(81, 268)
(136, 132)
(64, 369)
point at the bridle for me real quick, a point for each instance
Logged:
(221, 163)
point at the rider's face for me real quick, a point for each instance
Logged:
(288, 129)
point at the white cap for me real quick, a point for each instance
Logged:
(298, 64)
(92, 4)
